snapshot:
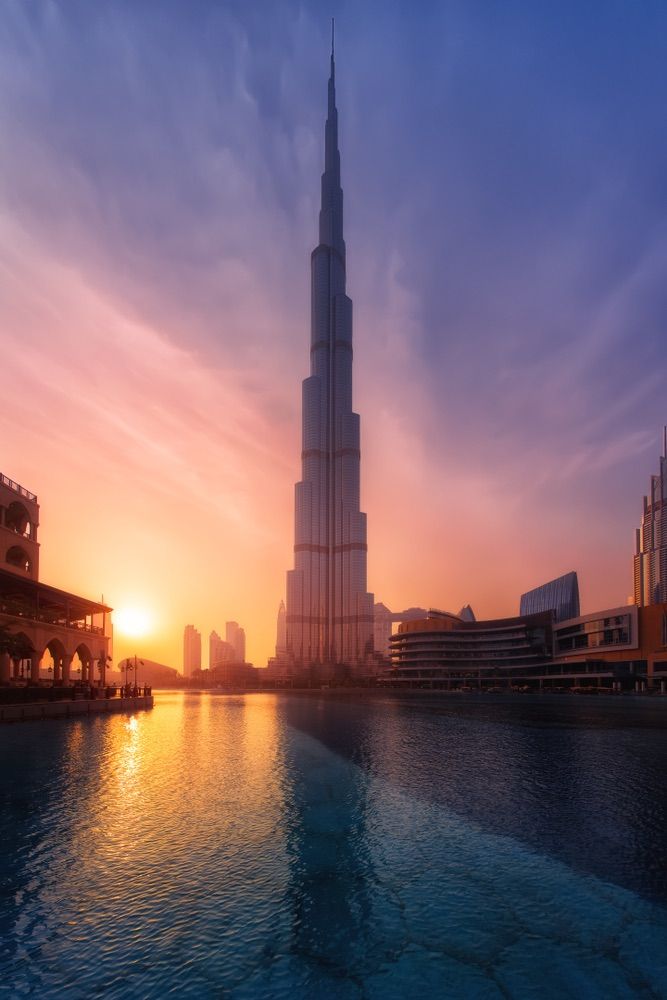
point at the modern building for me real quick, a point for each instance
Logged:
(46, 634)
(191, 650)
(622, 647)
(445, 651)
(329, 619)
(560, 596)
(235, 636)
(650, 563)
(384, 621)
(618, 649)
(219, 650)
(466, 614)
(281, 632)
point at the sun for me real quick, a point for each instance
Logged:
(133, 622)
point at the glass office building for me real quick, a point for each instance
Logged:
(560, 596)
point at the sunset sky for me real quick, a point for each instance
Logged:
(504, 172)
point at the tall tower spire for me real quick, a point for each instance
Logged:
(331, 212)
(329, 618)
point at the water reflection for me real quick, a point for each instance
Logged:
(584, 784)
(330, 866)
(269, 846)
(158, 828)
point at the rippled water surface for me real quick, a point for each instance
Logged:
(320, 846)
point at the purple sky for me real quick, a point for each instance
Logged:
(504, 168)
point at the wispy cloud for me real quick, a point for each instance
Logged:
(505, 211)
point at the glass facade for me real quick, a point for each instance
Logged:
(329, 612)
(650, 563)
(446, 651)
(560, 596)
(596, 633)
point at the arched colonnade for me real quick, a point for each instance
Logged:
(65, 665)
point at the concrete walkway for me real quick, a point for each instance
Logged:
(65, 709)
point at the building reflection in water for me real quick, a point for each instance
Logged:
(284, 845)
(330, 865)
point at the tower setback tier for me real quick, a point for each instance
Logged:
(329, 615)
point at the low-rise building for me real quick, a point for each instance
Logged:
(47, 635)
(445, 651)
(618, 649)
(191, 650)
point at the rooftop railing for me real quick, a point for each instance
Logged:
(31, 615)
(17, 488)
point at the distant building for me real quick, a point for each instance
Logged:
(384, 620)
(560, 596)
(46, 634)
(281, 632)
(191, 650)
(148, 672)
(223, 653)
(233, 675)
(235, 636)
(650, 563)
(219, 650)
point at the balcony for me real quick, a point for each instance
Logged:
(21, 490)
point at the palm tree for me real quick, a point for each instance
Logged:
(6, 640)
(18, 646)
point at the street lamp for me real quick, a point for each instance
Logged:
(127, 669)
(136, 662)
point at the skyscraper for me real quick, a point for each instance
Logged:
(281, 632)
(191, 650)
(651, 540)
(235, 636)
(329, 616)
(219, 651)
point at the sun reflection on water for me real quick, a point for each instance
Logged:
(267, 846)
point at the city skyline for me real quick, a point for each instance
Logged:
(507, 276)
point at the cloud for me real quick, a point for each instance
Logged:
(506, 256)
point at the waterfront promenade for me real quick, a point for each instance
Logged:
(63, 709)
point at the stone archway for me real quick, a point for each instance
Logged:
(17, 519)
(59, 670)
(85, 657)
(17, 556)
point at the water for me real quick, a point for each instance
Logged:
(320, 846)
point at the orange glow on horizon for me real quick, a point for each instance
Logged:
(133, 622)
